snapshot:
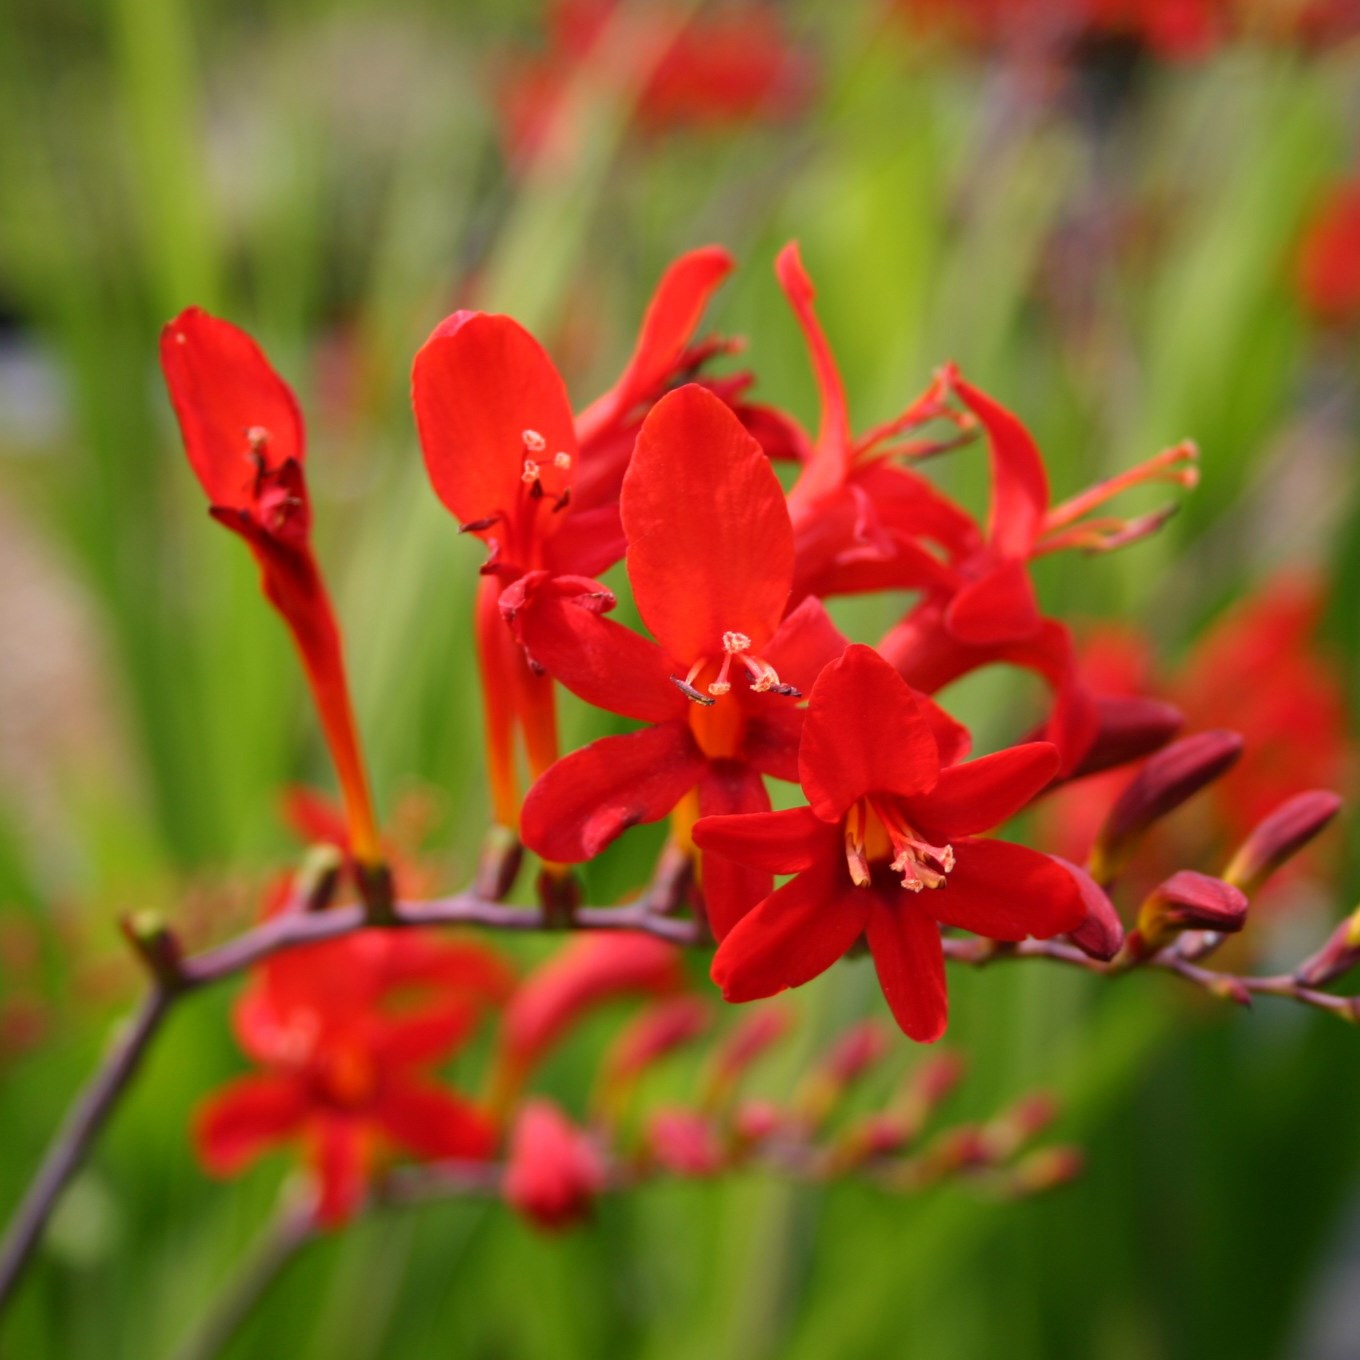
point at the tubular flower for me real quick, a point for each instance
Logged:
(507, 457)
(710, 560)
(244, 436)
(887, 851)
(347, 1032)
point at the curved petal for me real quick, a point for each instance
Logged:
(983, 793)
(598, 660)
(427, 1036)
(999, 607)
(341, 1154)
(710, 548)
(222, 387)
(238, 1123)
(672, 317)
(805, 643)
(1006, 892)
(588, 541)
(1020, 495)
(827, 464)
(592, 796)
(909, 960)
(479, 383)
(731, 889)
(864, 733)
(431, 1122)
(797, 932)
(772, 732)
(951, 736)
(781, 842)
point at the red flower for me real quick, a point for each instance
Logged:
(244, 436)
(887, 851)
(555, 1171)
(710, 559)
(347, 1032)
(536, 484)
(725, 68)
(1329, 263)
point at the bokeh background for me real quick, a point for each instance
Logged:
(1105, 230)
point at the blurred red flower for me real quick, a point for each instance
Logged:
(1329, 262)
(347, 1033)
(730, 65)
(554, 1171)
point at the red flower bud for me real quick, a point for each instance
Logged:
(1339, 955)
(1186, 901)
(1280, 836)
(554, 1171)
(1167, 780)
(659, 1030)
(685, 1143)
(1130, 727)
(1101, 934)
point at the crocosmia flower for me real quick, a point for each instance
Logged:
(710, 559)
(244, 435)
(1329, 262)
(537, 484)
(555, 1171)
(887, 851)
(347, 1034)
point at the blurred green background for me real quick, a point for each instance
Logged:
(1112, 255)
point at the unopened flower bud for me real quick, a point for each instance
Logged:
(659, 1030)
(1101, 932)
(1166, 781)
(1129, 728)
(1046, 1169)
(1186, 901)
(684, 1143)
(1339, 955)
(849, 1057)
(554, 1171)
(1024, 1121)
(502, 855)
(752, 1035)
(755, 1120)
(1280, 836)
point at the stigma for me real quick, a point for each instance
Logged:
(736, 647)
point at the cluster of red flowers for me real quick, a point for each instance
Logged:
(701, 67)
(744, 679)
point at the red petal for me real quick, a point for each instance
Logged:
(479, 382)
(806, 642)
(782, 842)
(833, 435)
(250, 1115)
(797, 932)
(951, 736)
(1000, 607)
(710, 549)
(340, 1156)
(592, 796)
(983, 793)
(731, 889)
(221, 385)
(672, 318)
(433, 1123)
(864, 733)
(1020, 495)
(428, 1037)
(1006, 892)
(771, 734)
(909, 960)
(600, 661)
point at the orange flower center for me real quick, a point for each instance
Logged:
(875, 829)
